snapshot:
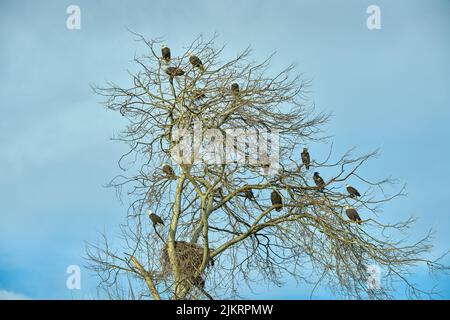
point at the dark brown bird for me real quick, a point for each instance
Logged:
(276, 199)
(174, 72)
(235, 89)
(249, 194)
(352, 214)
(155, 218)
(352, 191)
(165, 53)
(199, 282)
(218, 193)
(319, 181)
(198, 94)
(305, 158)
(168, 171)
(196, 62)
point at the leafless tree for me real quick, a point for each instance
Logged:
(217, 239)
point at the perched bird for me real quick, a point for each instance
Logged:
(305, 158)
(168, 171)
(352, 214)
(218, 193)
(174, 72)
(352, 191)
(198, 94)
(155, 218)
(319, 181)
(235, 89)
(249, 194)
(165, 53)
(199, 282)
(196, 62)
(276, 199)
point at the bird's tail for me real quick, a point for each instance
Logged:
(156, 231)
(202, 68)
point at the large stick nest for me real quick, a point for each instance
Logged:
(189, 256)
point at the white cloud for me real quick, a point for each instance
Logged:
(9, 295)
(55, 137)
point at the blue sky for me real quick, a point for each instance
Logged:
(386, 88)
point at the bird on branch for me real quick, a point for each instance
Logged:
(352, 191)
(155, 218)
(319, 181)
(196, 62)
(165, 53)
(235, 89)
(168, 171)
(174, 72)
(249, 195)
(352, 214)
(305, 158)
(276, 200)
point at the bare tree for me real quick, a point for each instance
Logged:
(221, 229)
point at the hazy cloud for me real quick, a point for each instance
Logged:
(9, 295)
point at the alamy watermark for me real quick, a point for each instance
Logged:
(245, 146)
(373, 277)
(73, 281)
(373, 22)
(73, 21)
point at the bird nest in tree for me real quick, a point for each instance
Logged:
(189, 256)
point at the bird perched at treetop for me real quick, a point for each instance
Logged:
(165, 53)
